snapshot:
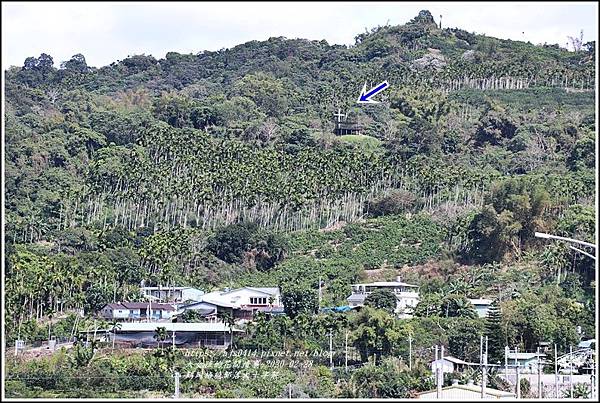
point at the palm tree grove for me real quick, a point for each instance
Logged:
(245, 223)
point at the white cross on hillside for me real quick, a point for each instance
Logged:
(339, 115)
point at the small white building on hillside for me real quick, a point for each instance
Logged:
(481, 306)
(172, 294)
(114, 311)
(407, 295)
(253, 297)
(245, 297)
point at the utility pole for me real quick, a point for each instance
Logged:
(176, 395)
(438, 389)
(571, 372)
(410, 352)
(319, 293)
(173, 336)
(506, 361)
(481, 355)
(346, 358)
(441, 371)
(330, 350)
(484, 373)
(593, 378)
(518, 382)
(555, 372)
(517, 386)
(539, 380)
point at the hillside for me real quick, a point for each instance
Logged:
(221, 168)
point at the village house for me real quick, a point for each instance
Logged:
(407, 295)
(114, 311)
(171, 294)
(527, 362)
(241, 303)
(449, 364)
(135, 311)
(257, 298)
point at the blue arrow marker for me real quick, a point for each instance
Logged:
(365, 97)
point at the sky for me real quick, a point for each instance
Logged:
(107, 32)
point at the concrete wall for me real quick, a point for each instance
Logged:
(548, 382)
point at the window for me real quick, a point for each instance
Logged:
(258, 300)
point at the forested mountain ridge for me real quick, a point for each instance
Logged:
(132, 171)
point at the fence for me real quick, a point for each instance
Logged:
(52, 344)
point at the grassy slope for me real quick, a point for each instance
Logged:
(368, 143)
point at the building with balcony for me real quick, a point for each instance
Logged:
(257, 298)
(407, 295)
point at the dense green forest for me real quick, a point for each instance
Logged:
(221, 169)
